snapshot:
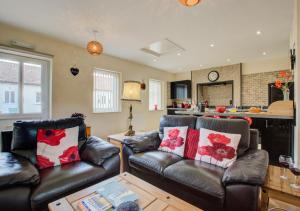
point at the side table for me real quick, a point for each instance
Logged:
(279, 189)
(117, 140)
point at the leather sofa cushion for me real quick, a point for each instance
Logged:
(235, 126)
(176, 121)
(97, 151)
(16, 170)
(198, 175)
(249, 169)
(15, 198)
(24, 134)
(156, 161)
(142, 143)
(59, 181)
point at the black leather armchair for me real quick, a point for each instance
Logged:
(204, 185)
(23, 187)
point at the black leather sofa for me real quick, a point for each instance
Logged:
(207, 186)
(23, 187)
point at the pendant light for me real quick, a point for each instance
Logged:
(94, 47)
(189, 3)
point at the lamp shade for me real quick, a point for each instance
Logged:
(132, 91)
(189, 3)
(94, 48)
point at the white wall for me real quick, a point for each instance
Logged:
(295, 42)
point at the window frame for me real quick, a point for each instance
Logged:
(30, 56)
(162, 95)
(119, 110)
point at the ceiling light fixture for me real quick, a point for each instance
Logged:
(155, 60)
(264, 53)
(94, 47)
(189, 3)
(178, 54)
(228, 60)
(212, 45)
(258, 32)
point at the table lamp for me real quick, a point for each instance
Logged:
(131, 92)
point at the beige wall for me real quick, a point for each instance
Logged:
(266, 65)
(182, 76)
(230, 72)
(74, 94)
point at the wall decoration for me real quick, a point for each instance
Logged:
(143, 85)
(213, 76)
(293, 58)
(74, 70)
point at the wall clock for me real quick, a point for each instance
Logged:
(213, 76)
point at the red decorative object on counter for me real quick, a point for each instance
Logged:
(220, 109)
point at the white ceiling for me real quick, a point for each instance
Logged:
(126, 26)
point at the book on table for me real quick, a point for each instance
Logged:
(106, 198)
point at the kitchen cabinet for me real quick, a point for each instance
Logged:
(276, 137)
(181, 89)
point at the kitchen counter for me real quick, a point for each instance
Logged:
(264, 115)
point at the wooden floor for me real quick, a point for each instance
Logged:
(283, 205)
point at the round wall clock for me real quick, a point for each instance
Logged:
(213, 76)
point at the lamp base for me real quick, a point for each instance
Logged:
(130, 133)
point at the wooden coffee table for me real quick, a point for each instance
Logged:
(150, 197)
(279, 189)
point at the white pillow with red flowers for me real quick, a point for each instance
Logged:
(56, 147)
(174, 140)
(217, 148)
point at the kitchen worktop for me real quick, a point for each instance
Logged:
(237, 114)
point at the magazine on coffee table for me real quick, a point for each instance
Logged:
(106, 198)
(116, 193)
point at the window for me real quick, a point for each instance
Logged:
(106, 96)
(9, 97)
(155, 95)
(24, 85)
(38, 98)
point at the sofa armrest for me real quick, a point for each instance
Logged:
(16, 170)
(97, 151)
(142, 143)
(250, 168)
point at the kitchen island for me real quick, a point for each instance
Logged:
(276, 129)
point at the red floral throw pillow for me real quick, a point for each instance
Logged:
(57, 146)
(217, 148)
(191, 144)
(174, 140)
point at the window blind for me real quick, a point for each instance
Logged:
(155, 95)
(106, 96)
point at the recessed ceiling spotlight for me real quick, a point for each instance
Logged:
(155, 60)
(264, 53)
(200, 65)
(178, 54)
(228, 60)
(258, 32)
(212, 45)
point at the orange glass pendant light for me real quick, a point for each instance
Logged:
(189, 3)
(94, 47)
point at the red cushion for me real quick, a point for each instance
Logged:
(191, 145)
(57, 147)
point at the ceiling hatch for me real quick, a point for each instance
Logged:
(163, 47)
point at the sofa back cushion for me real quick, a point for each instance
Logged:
(176, 121)
(24, 141)
(234, 126)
